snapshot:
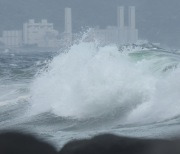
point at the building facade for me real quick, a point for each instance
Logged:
(41, 34)
(119, 34)
(12, 38)
(106, 36)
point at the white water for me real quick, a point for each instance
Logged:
(89, 82)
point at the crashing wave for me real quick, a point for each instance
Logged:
(90, 82)
(139, 47)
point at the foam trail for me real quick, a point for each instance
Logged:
(164, 103)
(90, 81)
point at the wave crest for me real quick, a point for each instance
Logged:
(90, 81)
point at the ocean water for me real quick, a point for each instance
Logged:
(87, 90)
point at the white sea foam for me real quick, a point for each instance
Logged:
(90, 81)
(164, 103)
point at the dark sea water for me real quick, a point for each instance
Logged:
(90, 90)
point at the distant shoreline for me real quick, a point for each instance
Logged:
(28, 49)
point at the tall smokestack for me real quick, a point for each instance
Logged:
(120, 17)
(132, 17)
(68, 20)
(68, 25)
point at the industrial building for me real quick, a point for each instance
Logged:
(106, 36)
(12, 38)
(41, 34)
(119, 34)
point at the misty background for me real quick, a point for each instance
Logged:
(157, 20)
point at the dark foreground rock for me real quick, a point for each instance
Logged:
(19, 143)
(111, 144)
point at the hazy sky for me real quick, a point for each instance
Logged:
(157, 20)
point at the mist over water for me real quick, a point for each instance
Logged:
(101, 82)
(89, 89)
(59, 92)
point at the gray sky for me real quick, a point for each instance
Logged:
(157, 20)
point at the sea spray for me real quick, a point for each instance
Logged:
(164, 104)
(90, 81)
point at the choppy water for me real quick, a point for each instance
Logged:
(89, 90)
